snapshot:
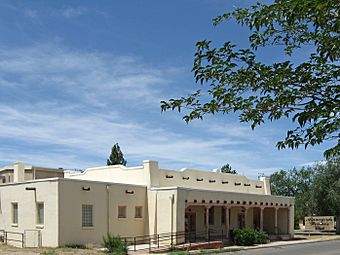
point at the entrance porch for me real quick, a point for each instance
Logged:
(205, 221)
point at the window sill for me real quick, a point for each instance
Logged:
(138, 219)
(14, 225)
(40, 226)
(122, 218)
(88, 228)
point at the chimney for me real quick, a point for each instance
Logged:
(266, 185)
(18, 172)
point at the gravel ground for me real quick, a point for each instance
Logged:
(6, 249)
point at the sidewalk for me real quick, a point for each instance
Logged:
(312, 239)
(285, 243)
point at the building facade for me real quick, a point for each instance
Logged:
(81, 207)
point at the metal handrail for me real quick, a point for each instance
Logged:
(168, 240)
(22, 235)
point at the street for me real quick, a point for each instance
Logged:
(320, 248)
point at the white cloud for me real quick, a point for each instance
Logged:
(46, 75)
(91, 77)
(72, 12)
(65, 108)
(31, 13)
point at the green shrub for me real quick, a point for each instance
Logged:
(260, 236)
(49, 252)
(75, 246)
(249, 236)
(115, 245)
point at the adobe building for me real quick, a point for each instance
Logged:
(52, 207)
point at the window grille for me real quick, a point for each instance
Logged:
(87, 215)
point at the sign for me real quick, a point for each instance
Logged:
(319, 223)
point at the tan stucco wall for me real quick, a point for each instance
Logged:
(211, 181)
(46, 192)
(269, 219)
(149, 174)
(30, 173)
(44, 174)
(105, 199)
(116, 174)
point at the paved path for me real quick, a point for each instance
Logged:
(317, 248)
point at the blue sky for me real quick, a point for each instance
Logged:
(78, 76)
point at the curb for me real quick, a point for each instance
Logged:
(283, 244)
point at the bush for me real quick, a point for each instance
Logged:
(49, 252)
(115, 245)
(249, 236)
(261, 236)
(75, 246)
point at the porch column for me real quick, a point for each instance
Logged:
(246, 223)
(288, 220)
(275, 222)
(261, 218)
(207, 222)
(227, 227)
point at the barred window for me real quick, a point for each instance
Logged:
(87, 215)
(121, 211)
(15, 213)
(40, 213)
(139, 212)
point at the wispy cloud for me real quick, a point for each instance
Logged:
(77, 101)
(30, 13)
(72, 12)
(89, 78)
(63, 107)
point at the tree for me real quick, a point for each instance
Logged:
(116, 156)
(296, 183)
(227, 169)
(307, 92)
(326, 190)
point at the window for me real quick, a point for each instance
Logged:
(87, 216)
(14, 213)
(139, 212)
(121, 211)
(40, 213)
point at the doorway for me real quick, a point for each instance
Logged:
(190, 226)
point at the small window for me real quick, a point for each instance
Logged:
(40, 214)
(14, 213)
(87, 215)
(138, 212)
(121, 211)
